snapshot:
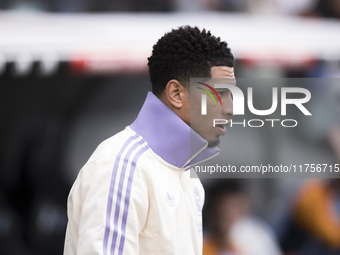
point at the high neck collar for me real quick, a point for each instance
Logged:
(169, 136)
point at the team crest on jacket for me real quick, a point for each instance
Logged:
(197, 200)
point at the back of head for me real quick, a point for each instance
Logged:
(186, 53)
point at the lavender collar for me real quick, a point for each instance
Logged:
(169, 136)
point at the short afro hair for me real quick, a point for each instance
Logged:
(186, 53)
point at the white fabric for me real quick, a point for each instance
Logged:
(164, 206)
(253, 237)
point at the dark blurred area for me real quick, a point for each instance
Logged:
(40, 120)
(303, 8)
(308, 225)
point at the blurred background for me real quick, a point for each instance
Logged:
(74, 72)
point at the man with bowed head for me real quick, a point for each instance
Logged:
(134, 195)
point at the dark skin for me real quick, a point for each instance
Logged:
(177, 97)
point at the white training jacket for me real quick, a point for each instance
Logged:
(134, 195)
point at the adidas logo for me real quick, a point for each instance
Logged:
(170, 200)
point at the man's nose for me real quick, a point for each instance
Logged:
(227, 106)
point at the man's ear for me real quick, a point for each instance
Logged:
(175, 93)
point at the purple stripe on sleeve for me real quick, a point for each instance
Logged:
(111, 190)
(127, 197)
(119, 193)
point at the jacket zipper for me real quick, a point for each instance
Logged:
(182, 179)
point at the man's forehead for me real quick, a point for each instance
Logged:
(222, 72)
(227, 81)
(212, 82)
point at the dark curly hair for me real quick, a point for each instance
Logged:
(186, 52)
